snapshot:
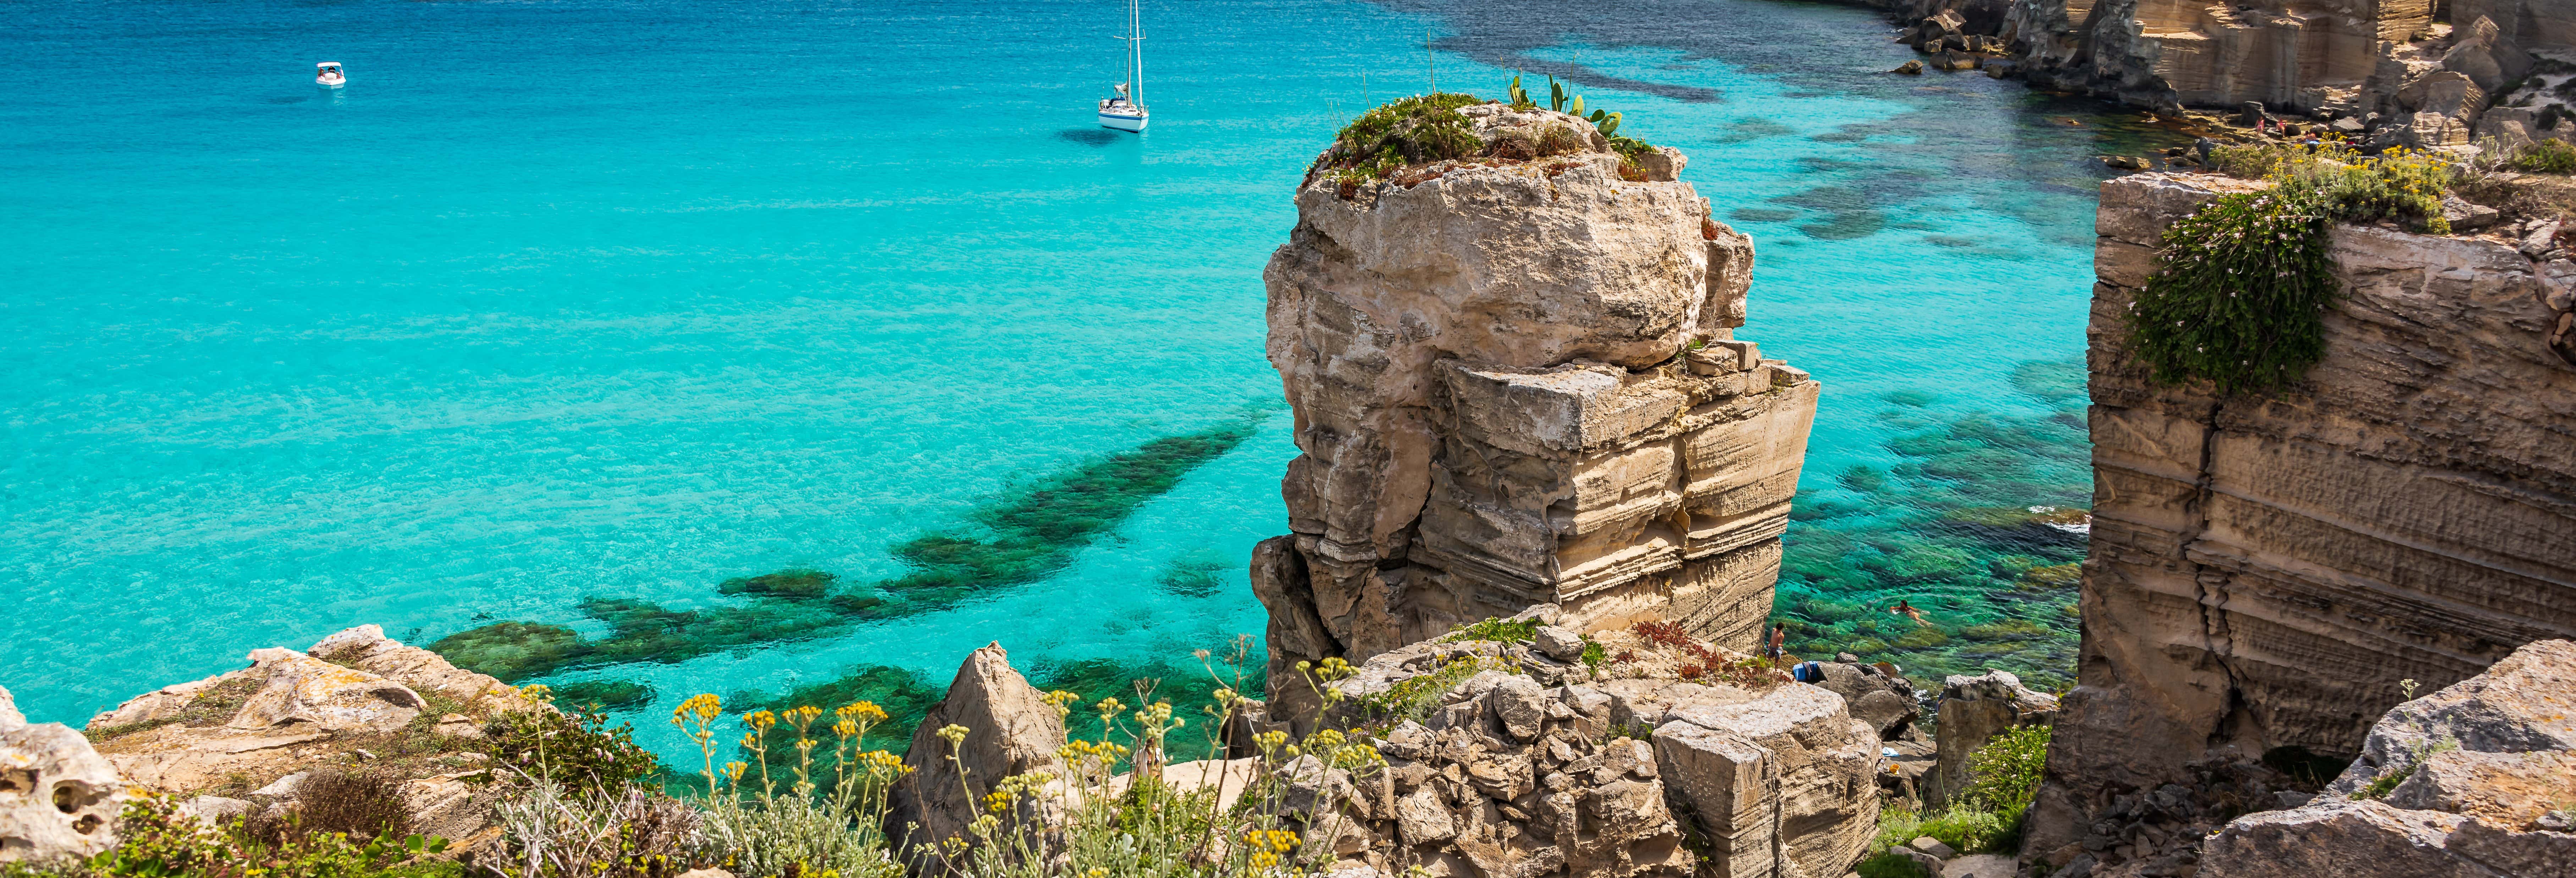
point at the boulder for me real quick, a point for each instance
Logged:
(1912, 67)
(2484, 771)
(2477, 53)
(57, 797)
(1784, 784)
(1010, 729)
(1519, 706)
(1885, 703)
(1559, 642)
(1972, 711)
(366, 648)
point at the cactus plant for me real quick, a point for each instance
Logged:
(1598, 115)
(1577, 109)
(1609, 126)
(1555, 95)
(1519, 98)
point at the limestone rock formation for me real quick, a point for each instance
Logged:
(1511, 774)
(57, 797)
(2265, 572)
(2485, 774)
(1516, 382)
(1010, 729)
(1972, 711)
(249, 739)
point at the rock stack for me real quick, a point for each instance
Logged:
(1516, 382)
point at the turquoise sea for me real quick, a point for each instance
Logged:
(577, 313)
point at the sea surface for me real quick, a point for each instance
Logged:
(791, 349)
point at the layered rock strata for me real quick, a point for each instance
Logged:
(2264, 573)
(2477, 780)
(1516, 382)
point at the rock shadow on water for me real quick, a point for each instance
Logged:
(1015, 540)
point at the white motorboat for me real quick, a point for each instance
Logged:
(1126, 111)
(327, 75)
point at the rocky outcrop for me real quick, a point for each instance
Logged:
(58, 799)
(1972, 711)
(2264, 573)
(2477, 780)
(1010, 729)
(1604, 771)
(1516, 382)
(289, 710)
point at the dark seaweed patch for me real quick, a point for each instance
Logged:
(1764, 214)
(1024, 539)
(607, 695)
(1756, 128)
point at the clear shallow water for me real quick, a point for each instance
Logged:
(592, 299)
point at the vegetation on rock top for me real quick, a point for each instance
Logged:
(2242, 284)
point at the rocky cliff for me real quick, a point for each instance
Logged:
(2384, 69)
(1516, 382)
(2268, 575)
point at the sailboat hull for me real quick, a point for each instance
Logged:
(1122, 122)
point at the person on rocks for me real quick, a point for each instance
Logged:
(1779, 636)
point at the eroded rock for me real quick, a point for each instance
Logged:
(1010, 729)
(57, 797)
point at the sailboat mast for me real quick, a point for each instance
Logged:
(1136, 49)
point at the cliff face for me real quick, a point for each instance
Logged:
(1500, 405)
(2263, 572)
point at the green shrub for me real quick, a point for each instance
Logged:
(1496, 630)
(2546, 157)
(1890, 865)
(1415, 697)
(1410, 131)
(579, 749)
(156, 841)
(2242, 284)
(2005, 772)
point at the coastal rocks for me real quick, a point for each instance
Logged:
(245, 729)
(58, 799)
(1516, 382)
(1781, 785)
(1519, 778)
(1884, 701)
(2255, 587)
(2485, 785)
(1972, 711)
(1010, 729)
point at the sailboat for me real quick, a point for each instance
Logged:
(1126, 112)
